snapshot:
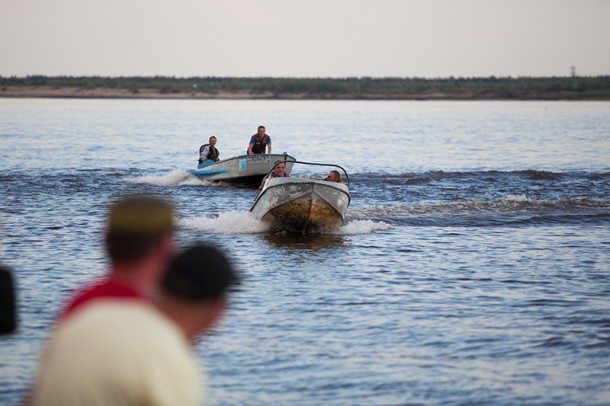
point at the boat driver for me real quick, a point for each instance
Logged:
(334, 176)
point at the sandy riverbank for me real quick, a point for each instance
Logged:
(108, 93)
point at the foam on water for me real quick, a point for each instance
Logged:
(233, 222)
(516, 198)
(362, 227)
(178, 177)
(244, 222)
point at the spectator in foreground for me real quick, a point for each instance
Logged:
(139, 242)
(136, 353)
(8, 302)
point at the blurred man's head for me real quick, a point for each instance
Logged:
(195, 286)
(136, 227)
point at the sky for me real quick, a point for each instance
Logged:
(305, 38)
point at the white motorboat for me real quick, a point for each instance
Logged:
(246, 170)
(302, 204)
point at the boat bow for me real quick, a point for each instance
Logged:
(302, 205)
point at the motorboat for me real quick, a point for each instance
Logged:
(303, 205)
(246, 170)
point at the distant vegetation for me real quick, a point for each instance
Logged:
(521, 88)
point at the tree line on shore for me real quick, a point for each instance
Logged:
(521, 88)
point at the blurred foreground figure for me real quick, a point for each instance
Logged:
(8, 313)
(133, 352)
(139, 243)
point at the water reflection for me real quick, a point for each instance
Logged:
(315, 242)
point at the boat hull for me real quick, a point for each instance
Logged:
(302, 205)
(245, 170)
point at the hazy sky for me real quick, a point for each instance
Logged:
(305, 38)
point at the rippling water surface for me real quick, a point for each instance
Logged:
(473, 267)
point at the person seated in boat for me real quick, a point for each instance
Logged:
(209, 151)
(279, 171)
(334, 176)
(259, 142)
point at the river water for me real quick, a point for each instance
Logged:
(473, 267)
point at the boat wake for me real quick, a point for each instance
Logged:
(513, 209)
(361, 227)
(244, 222)
(178, 177)
(231, 223)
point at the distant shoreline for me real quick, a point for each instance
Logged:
(110, 93)
(366, 88)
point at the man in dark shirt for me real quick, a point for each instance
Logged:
(259, 142)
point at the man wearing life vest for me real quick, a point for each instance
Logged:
(209, 151)
(259, 141)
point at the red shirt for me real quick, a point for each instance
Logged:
(107, 288)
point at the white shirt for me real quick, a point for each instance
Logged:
(125, 353)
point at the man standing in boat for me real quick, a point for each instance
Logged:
(259, 141)
(208, 151)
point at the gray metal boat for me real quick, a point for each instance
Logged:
(301, 204)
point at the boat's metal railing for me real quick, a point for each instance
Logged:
(346, 178)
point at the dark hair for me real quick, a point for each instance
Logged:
(261, 126)
(200, 273)
(130, 247)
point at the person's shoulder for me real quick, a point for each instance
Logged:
(99, 290)
(125, 321)
(102, 309)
